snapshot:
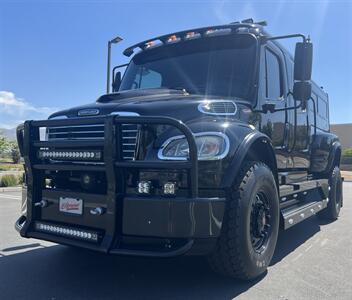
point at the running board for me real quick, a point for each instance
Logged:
(296, 214)
(299, 201)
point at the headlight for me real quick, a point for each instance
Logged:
(211, 146)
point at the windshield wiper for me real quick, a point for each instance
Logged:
(179, 88)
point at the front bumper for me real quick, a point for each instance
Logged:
(131, 225)
(150, 226)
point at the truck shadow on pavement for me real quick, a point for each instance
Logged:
(60, 272)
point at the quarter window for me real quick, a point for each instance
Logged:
(272, 76)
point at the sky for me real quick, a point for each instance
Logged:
(53, 53)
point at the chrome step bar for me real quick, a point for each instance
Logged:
(292, 216)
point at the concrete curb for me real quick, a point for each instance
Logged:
(10, 189)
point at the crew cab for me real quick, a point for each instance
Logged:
(212, 140)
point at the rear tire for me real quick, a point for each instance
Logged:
(250, 226)
(332, 211)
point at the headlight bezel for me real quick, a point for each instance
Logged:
(220, 156)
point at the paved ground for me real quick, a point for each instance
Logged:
(313, 261)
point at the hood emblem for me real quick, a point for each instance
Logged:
(89, 112)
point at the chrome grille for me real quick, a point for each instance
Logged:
(82, 132)
(129, 132)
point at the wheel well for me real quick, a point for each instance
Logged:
(335, 161)
(337, 158)
(261, 150)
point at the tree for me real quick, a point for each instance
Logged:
(15, 152)
(9, 149)
(4, 144)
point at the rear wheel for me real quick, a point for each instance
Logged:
(250, 227)
(332, 211)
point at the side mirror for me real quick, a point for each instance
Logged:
(268, 107)
(117, 82)
(303, 61)
(302, 91)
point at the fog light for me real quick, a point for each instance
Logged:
(169, 188)
(144, 187)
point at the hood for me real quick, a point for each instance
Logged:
(162, 102)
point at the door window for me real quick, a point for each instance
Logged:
(272, 76)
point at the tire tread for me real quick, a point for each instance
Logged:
(226, 259)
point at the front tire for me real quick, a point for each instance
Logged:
(250, 226)
(332, 211)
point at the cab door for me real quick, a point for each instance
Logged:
(272, 89)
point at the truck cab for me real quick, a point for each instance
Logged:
(212, 140)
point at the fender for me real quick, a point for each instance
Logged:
(334, 156)
(326, 153)
(255, 146)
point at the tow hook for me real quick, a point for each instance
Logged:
(41, 204)
(98, 211)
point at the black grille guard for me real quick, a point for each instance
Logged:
(28, 135)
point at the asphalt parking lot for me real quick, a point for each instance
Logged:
(313, 261)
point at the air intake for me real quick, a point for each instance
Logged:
(218, 107)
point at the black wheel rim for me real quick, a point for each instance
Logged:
(338, 195)
(260, 223)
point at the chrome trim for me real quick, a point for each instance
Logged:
(209, 133)
(88, 112)
(205, 102)
(78, 126)
(58, 133)
(136, 138)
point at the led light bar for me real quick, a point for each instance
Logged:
(65, 231)
(70, 154)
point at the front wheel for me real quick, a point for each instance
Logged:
(250, 226)
(332, 211)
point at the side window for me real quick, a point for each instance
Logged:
(147, 79)
(323, 108)
(272, 76)
(315, 97)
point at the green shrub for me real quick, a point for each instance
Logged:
(15, 155)
(11, 167)
(347, 152)
(20, 179)
(8, 180)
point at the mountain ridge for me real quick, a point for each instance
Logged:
(8, 133)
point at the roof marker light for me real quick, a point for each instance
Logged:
(172, 38)
(190, 34)
(149, 44)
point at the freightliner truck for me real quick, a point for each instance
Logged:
(212, 141)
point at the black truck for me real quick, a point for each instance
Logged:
(212, 140)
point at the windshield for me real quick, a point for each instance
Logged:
(221, 66)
